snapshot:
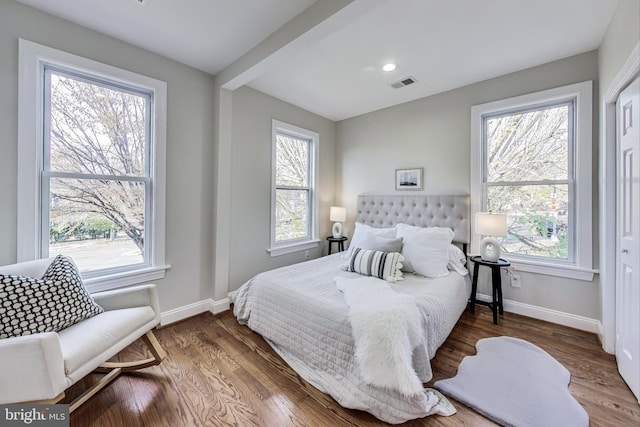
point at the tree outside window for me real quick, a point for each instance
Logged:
(292, 187)
(531, 158)
(96, 171)
(293, 198)
(91, 166)
(528, 177)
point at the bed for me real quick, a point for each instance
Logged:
(313, 313)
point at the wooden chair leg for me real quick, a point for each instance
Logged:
(114, 369)
(53, 401)
(104, 381)
(154, 347)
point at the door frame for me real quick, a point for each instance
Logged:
(607, 203)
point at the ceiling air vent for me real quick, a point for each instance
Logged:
(404, 82)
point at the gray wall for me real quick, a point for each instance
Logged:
(189, 142)
(434, 133)
(251, 181)
(623, 34)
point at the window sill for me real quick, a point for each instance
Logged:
(126, 278)
(295, 247)
(557, 270)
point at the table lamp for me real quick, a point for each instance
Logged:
(339, 215)
(490, 225)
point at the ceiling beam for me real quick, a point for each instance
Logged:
(313, 24)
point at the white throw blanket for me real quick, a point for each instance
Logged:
(387, 327)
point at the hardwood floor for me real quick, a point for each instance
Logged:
(219, 373)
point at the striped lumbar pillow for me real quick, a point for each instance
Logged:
(383, 265)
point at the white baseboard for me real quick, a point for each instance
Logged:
(220, 306)
(194, 309)
(605, 347)
(541, 313)
(548, 315)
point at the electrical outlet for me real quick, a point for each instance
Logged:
(306, 254)
(515, 281)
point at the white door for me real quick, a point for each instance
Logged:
(628, 237)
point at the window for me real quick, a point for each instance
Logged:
(92, 150)
(293, 199)
(531, 159)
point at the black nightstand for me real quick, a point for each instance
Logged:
(496, 285)
(340, 241)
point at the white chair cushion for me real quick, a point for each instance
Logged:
(102, 335)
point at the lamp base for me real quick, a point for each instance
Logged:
(337, 230)
(490, 249)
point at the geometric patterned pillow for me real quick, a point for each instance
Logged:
(55, 302)
(383, 265)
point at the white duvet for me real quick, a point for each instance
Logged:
(303, 315)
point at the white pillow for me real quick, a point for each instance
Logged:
(383, 265)
(383, 244)
(425, 250)
(360, 235)
(50, 304)
(457, 260)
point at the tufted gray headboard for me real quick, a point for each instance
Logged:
(421, 211)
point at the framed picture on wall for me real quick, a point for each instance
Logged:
(409, 179)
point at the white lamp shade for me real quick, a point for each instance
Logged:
(489, 224)
(338, 214)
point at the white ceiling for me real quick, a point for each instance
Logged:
(443, 44)
(205, 34)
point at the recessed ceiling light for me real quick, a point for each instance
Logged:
(389, 67)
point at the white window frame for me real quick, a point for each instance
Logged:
(579, 265)
(311, 241)
(33, 58)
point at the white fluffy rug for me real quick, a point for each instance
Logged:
(515, 383)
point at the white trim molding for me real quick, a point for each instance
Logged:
(567, 271)
(119, 280)
(310, 240)
(190, 310)
(607, 208)
(33, 58)
(296, 247)
(579, 264)
(548, 315)
(535, 312)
